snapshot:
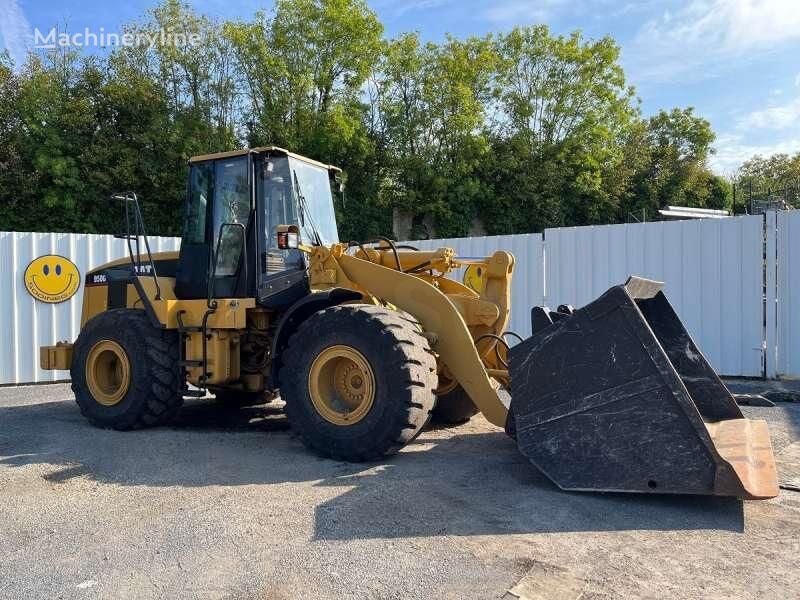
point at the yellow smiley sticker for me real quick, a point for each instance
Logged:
(475, 278)
(52, 278)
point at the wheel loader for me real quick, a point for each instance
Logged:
(366, 341)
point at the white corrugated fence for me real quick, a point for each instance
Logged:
(712, 269)
(787, 330)
(25, 323)
(717, 274)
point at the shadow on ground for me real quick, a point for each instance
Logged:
(446, 483)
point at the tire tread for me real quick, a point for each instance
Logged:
(412, 383)
(155, 351)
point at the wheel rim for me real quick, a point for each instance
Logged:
(108, 372)
(341, 385)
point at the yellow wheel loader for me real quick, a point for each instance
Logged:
(365, 341)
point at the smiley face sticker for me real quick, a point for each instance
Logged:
(52, 279)
(475, 278)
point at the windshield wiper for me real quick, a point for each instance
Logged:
(301, 200)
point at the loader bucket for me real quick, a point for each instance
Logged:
(617, 397)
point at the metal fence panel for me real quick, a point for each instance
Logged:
(788, 300)
(770, 295)
(527, 283)
(26, 323)
(712, 269)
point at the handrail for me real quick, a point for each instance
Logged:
(136, 264)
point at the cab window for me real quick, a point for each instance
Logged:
(200, 189)
(231, 205)
(276, 196)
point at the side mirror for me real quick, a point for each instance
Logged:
(288, 236)
(237, 235)
(338, 183)
(232, 234)
(123, 197)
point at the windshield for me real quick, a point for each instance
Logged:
(314, 185)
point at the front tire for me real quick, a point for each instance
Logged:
(358, 381)
(124, 371)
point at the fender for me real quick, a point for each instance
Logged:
(299, 312)
(439, 316)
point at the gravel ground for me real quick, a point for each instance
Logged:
(229, 504)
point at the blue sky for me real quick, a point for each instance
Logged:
(736, 61)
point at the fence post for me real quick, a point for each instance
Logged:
(770, 296)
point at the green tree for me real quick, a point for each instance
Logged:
(776, 171)
(301, 73)
(564, 109)
(16, 175)
(427, 114)
(164, 103)
(54, 117)
(523, 130)
(672, 165)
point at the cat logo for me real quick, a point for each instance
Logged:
(52, 279)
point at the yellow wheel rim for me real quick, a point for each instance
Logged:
(108, 372)
(341, 385)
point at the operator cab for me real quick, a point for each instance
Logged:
(235, 202)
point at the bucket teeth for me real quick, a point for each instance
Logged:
(616, 396)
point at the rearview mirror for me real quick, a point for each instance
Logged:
(338, 183)
(232, 236)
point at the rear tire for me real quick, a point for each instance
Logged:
(384, 355)
(453, 408)
(125, 371)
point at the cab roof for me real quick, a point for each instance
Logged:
(262, 150)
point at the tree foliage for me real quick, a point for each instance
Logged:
(519, 131)
(772, 172)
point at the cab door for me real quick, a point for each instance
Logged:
(232, 214)
(218, 228)
(282, 276)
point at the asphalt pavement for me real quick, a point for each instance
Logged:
(229, 504)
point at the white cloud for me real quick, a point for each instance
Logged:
(779, 117)
(14, 29)
(523, 12)
(399, 8)
(765, 131)
(712, 31)
(731, 25)
(733, 150)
